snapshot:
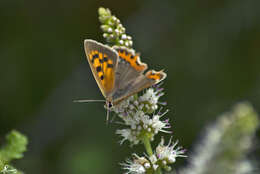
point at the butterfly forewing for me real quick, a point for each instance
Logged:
(103, 62)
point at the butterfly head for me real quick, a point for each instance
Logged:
(109, 105)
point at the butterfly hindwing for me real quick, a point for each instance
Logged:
(136, 85)
(129, 75)
(155, 76)
(129, 66)
(103, 62)
(130, 57)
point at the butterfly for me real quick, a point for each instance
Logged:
(118, 72)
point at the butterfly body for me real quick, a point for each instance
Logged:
(118, 71)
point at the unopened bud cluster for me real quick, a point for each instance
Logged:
(114, 32)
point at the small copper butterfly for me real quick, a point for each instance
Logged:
(118, 72)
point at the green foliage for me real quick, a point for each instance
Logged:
(13, 148)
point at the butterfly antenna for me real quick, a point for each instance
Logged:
(88, 101)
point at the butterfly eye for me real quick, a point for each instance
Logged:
(110, 105)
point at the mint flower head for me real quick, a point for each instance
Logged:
(138, 165)
(162, 158)
(148, 102)
(140, 115)
(134, 113)
(167, 154)
(142, 120)
(226, 143)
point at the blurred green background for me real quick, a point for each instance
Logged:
(209, 49)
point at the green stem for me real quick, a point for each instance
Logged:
(149, 151)
(147, 145)
(158, 171)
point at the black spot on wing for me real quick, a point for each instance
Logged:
(110, 65)
(98, 68)
(95, 56)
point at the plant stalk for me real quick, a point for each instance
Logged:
(147, 145)
(149, 151)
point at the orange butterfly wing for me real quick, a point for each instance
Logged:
(103, 62)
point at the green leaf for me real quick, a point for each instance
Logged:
(14, 147)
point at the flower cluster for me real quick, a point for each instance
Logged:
(138, 165)
(138, 114)
(134, 112)
(114, 32)
(163, 156)
(168, 154)
(148, 102)
(226, 143)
